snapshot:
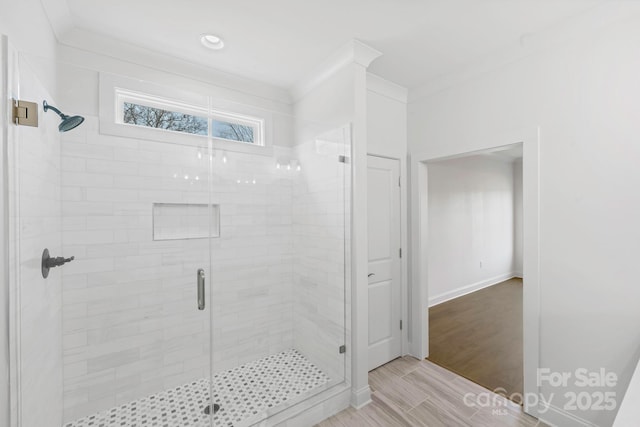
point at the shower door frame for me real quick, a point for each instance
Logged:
(10, 88)
(6, 366)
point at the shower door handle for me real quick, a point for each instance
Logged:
(200, 289)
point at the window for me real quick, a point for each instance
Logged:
(142, 115)
(148, 111)
(232, 131)
(235, 127)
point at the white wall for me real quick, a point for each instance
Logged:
(386, 119)
(28, 29)
(27, 26)
(471, 225)
(518, 240)
(328, 106)
(584, 97)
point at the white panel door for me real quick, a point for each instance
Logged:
(385, 313)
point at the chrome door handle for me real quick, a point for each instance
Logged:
(200, 289)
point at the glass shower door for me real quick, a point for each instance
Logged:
(136, 298)
(136, 306)
(278, 275)
(120, 336)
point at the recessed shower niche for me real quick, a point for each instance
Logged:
(176, 221)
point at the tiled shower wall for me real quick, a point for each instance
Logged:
(319, 229)
(131, 324)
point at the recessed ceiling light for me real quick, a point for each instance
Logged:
(211, 42)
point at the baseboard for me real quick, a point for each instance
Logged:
(555, 416)
(438, 299)
(360, 398)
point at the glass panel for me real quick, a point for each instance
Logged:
(117, 333)
(141, 115)
(320, 201)
(232, 131)
(278, 273)
(131, 302)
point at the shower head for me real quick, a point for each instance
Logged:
(68, 122)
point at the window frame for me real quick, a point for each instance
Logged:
(123, 96)
(116, 90)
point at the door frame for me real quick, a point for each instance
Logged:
(404, 272)
(419, 289)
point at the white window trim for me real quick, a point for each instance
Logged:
(114, 90)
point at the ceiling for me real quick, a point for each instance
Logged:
(280, 41)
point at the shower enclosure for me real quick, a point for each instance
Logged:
(208, 281)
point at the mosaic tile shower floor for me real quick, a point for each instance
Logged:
(243, 394)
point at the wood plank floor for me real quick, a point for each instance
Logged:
(410, 392)
(479, 336)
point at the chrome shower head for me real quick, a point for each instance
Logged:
(68, 122)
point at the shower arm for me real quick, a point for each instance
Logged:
(51, 107)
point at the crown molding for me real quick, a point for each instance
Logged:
(387, 88)
(363, 54)
(353, 52)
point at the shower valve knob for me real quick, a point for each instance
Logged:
(50, 262)
(58, 261)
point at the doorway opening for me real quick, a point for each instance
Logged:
(420, 289)
(475, 267)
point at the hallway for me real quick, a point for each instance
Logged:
(479, 336)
